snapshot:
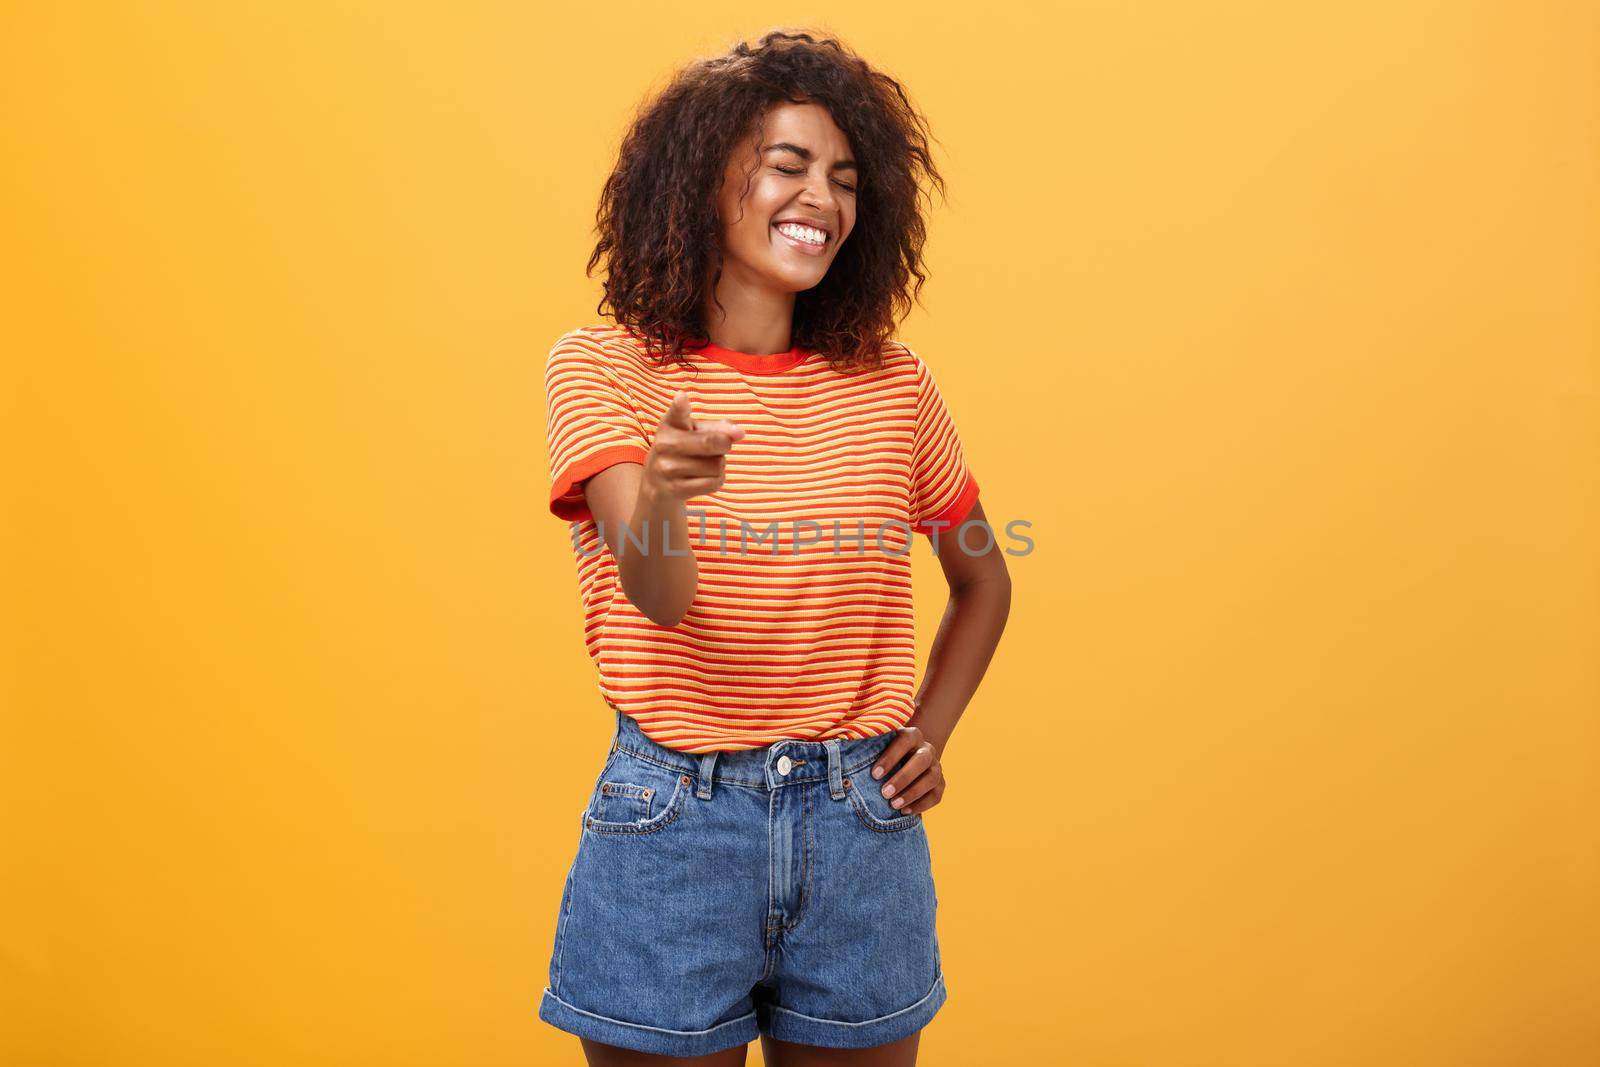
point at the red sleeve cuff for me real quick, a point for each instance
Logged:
(566, 497)
(953, 515)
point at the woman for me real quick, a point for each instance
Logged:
(752, 859)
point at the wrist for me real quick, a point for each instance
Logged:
(930, 735)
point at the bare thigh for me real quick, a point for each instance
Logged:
(902, 1053)
(603, 1055)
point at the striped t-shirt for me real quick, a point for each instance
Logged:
(807, 633)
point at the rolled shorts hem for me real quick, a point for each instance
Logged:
(786, 1025)
(641, 1038)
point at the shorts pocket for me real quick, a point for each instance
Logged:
(623, 802)
(636, 796)
(873, 808)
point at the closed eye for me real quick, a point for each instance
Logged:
(843, 185)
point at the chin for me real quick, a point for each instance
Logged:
(800, 285)
(800, 279)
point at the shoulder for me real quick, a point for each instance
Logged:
(897, 351)
(896, 361)
(601, 347)
(902, 362)
(596, 341)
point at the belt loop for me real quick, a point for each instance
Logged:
(835, 768)
(708, 760)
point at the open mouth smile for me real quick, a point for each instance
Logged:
(806, 240)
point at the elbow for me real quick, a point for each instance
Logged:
(661, 614)
(1002, 594)
(654, 609)
(663, 598)
(665, 618)
(994, 576)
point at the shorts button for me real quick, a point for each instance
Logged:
(785, 764)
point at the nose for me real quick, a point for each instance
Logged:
(824, 201)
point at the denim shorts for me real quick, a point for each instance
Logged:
(721, 896)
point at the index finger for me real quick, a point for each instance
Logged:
(708, 439)
(699, 443)
(893, 753)
(677, 413)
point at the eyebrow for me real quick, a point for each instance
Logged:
(806, 154)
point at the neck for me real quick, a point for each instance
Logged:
(752, 318)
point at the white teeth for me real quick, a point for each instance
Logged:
(803, 233)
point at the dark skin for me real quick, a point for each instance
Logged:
(799, 165)
(980, 599)
(902, 1053)
(969, 632)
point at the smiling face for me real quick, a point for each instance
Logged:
(804, 174)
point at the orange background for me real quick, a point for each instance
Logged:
(1279, 323)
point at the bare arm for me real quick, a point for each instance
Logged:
(660, 585)
(980, 601)
(643, 515)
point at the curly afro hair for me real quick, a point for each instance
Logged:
(657, 219)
